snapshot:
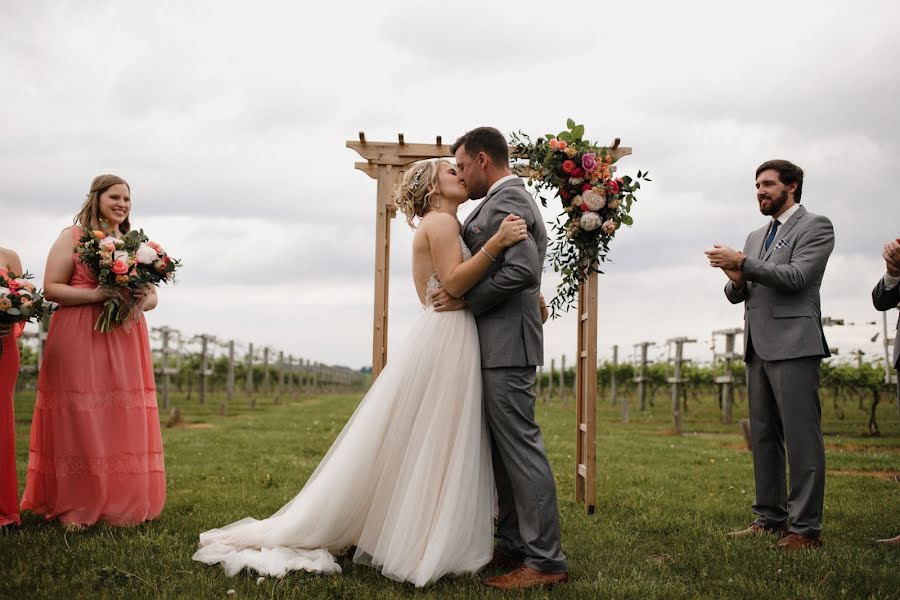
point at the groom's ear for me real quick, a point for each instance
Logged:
(483, 159)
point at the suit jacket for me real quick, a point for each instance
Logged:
(782, 312)
(506, 302)
(885, 299)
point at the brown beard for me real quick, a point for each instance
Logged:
(776, 205)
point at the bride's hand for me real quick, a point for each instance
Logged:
(512, 230)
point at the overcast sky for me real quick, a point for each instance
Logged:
(229, 120)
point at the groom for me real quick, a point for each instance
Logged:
(506, 306)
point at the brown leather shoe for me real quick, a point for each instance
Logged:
(795, 541)
(756, 529)
(503, 560)
(524, 578)
(894, 541)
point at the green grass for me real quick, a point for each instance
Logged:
(659, 495)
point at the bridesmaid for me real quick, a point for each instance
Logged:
(9, 372)
(96, 450)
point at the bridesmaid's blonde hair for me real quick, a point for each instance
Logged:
(418, 185)
(89, 216)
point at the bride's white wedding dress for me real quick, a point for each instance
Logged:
(408, 481)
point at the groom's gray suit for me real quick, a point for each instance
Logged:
(507, 311)
(885, 298)
(783, 347)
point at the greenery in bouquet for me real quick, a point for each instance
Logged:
(124, 265)
(21, 301)
(594, 203)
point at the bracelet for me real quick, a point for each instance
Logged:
(488, 255)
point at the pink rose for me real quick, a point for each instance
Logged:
(120, 267)
(589, 162)
(608, 227)
(613, 186)
(568, 166)
(578, 172)
(586, 187)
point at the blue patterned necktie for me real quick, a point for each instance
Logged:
(772, 231)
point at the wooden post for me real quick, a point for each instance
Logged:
(612, 375)
(266, 383)
(550, 380)
(641, 378)
(725, 382)
(205, 371)
(164, 364)
(586, 396)
(249, 381)
(563, 397)
(280, 376)
(229, 380)
(677, 381)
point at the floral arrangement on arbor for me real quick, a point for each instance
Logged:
(594, 203)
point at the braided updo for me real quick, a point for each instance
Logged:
(419, 183)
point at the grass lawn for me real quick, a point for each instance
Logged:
(664, 503)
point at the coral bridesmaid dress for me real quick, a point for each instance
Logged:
(9, 371)
(96, 449)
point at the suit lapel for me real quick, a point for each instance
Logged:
(784, 230)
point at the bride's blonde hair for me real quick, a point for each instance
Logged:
(417, 187)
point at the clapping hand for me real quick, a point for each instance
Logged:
(891, 257)
(729, 260)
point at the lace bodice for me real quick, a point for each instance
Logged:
(433, 281)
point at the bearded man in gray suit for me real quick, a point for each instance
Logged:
(506, 305)
(777, 277)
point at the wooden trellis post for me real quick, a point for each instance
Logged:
(229, 380)
(586, 396)
(677, 380)
(563, 397)
(641, 377)
(725, 382)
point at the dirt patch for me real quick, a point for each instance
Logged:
(882, 475)
(194, 426)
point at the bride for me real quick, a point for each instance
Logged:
(409, 481)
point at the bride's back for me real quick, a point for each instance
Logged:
(422, 264)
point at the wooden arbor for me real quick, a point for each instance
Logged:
(385, 162)
(586, 381)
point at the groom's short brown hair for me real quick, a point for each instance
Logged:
(484, 139)
(788, 173)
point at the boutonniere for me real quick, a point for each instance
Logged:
(475, 229)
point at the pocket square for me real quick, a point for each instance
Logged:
(782, 244)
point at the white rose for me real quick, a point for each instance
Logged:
(4, 292)
(146, 255)
(594, 200)
(590, 221)
(120, 255)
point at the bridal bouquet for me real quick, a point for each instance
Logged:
(21, 301)
(125, 265)
(594, 203)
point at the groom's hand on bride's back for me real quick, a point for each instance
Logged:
(443, 302)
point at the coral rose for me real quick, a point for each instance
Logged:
(553, 143)
(562, 144)
(119, 267)
(568, 166)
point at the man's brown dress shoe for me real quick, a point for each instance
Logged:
(756, 529)
(894, 541)
(795, 541)
(525, 577)
(502, 560)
